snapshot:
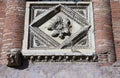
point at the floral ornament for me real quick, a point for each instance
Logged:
(60, 27)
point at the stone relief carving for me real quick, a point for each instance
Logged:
(60, 27)
(77, 36)
(14, 57)
(37, 43)
(64, 27)
(59, 32)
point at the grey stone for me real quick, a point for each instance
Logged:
(61, 70)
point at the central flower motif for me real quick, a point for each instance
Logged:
(60, 27)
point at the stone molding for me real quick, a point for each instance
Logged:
(36, 21)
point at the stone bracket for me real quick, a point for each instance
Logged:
(14, 57)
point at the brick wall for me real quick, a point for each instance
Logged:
(13, 28)
(2, 19)
(115, 8)
(103, 31)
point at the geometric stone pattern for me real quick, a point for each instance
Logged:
(63, 58)
(58, 29)
(63, 23)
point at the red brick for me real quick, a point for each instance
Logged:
(116, 21)
(14, 22)
(104, 35)
(115, 9)
(103, 28)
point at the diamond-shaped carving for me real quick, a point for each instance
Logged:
(62, 25)
(58, 29)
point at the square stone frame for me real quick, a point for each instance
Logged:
(37, 52)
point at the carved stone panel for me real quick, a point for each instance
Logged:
(58, 28)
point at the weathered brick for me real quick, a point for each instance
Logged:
(14, 22)
(103, 28)
(115, 9)
(2, 17)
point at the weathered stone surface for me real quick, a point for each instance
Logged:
(60, 70)
(58, 29)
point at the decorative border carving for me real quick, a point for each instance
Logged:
(87, 52)
(64, 58)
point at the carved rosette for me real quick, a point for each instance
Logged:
(60, 27)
